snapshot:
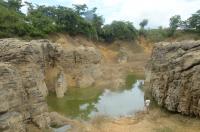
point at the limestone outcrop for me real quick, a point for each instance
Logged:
(173, 74)
(22, 85)
(61, 85)
(21, 100)
(81, 65)
(30, 70)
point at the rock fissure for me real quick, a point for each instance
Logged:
(30, 70)
(191, 66)
(180, 91)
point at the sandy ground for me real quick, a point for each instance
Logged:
(155, 121)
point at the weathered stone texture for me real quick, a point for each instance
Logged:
(30, 70)
(173, 74)
(22, 86)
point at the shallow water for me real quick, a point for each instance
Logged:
(89, 102)
(62, 129)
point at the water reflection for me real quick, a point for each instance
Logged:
(64, 128)
(89, 102)
(122, 103)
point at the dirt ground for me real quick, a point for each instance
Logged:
(157, 120)
(154, 121)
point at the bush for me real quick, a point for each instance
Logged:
(42, 20)
(12, 23)
(119, 30)
(157, 35)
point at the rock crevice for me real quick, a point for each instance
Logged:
(22, 89)
(30, 70)
(173, 75)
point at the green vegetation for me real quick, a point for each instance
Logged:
(188, 29)
(192, 23)
(143, 23)
(131, 78)
(142, 31)
(175, 22)
(12, 21)
(156, 35)
(41, 20)
(119, 30)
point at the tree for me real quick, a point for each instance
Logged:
(119, 30)
(12, 21)
(80, 9)
(15, 5)
(3, 3)
(194, 21)
(156, 35)
(142, 31)
(143, 23)
(41, 20)
(175, 22)
(30, 6)
(97, 23)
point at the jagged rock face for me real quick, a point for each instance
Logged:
(173, 75)
(29, 70)
(41, 52)
(31, 59)
(11, 87)
(21, 101)
(22, 86)
(81, 65)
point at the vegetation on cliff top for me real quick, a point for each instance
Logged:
(40, 20)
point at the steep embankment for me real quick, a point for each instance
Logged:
(127, 56)
(22, 86)
(30, 70)
(174, 76)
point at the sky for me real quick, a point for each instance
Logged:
(158, 12)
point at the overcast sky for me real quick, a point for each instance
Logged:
(157, 12)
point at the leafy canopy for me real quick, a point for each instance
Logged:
(41, 20)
